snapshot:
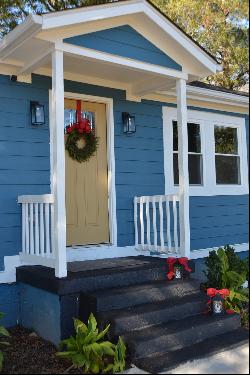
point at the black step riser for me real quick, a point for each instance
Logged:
(163, 315)
(135, 277)
(183, 338)
(135, 298)
(171, 360)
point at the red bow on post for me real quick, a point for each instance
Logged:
(171, 262)
(211, 292)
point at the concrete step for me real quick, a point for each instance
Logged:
(134, 295)
(179, 334)
(144, 316)
(208, 347)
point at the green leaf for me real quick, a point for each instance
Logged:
(1, 360)
(4, 332)
(103, 333)
(92, 323)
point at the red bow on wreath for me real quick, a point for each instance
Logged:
(82, 125)
(171, 262)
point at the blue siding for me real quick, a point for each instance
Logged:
(124, 41)
(218, 220)
(9, 304)
(40, 310)
(24, 167)
(24, 157)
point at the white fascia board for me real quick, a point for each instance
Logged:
(120, 61)
(91, 13)
(30, 27)
(207, 95)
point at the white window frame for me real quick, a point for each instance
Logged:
(207, 121)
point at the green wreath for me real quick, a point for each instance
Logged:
(77, 132)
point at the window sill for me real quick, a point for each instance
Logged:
(200, 191)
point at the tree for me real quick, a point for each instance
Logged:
(220, 26)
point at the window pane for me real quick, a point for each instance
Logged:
(69, 117)
(225, 140)
(195, 169)
(194, 138)
(175, 136)
(227, 170)
(176, 169)
(194, 166)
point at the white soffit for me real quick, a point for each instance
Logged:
(22, 43)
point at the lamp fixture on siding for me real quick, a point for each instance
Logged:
(128, 121)
(37, 114)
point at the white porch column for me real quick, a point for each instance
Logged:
(183, 167)
(58, 164)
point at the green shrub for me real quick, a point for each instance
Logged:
(89, 352)
(3, 333)
(214, 267)
(225, 269)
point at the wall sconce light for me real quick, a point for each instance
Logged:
(128, 121)
(37, 114)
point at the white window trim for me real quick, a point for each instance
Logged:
(207, 121)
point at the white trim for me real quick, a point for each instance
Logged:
(110, 157)
(82, 253)
(34, 260)
(214, 96)
(207, 121)
(58, 164)
(112, 59)
(203, 253)
(9, 274)
(183, 168)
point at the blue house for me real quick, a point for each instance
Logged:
(169, 176)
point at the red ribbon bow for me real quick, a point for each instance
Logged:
(211, 292)
(82, 125)
(171, 262)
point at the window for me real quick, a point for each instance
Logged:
(195, 162)
(227, 159)
(217, 153)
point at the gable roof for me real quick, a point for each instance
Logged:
(37, 33)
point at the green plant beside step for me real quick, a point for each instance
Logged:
(89, 352)
(225, 270)
(3, 333)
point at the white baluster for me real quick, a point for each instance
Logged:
(23, 229)
(148, 224)
(47, 229)
(31, 228)
(41, 230)
(154, 223)
(176, 245)
(142, 222)
(36, 230)
(136, 222)
(169, 239)
(161, 223)
(27, 232)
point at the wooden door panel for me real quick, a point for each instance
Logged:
(87, 187)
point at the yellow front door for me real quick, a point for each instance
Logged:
(87, 184)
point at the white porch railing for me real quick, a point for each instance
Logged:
(37, 229)
(156, 220)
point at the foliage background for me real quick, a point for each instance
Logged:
(220, 26)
